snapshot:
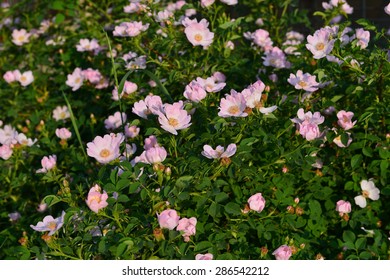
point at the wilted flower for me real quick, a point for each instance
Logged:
(48, 163)
(368, 191)
(168, 219)
(105, 149)
(284, 252)
(50, 224)
(96, 200)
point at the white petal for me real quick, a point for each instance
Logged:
(361, 201)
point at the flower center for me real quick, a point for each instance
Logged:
(198, 37)
(320, 46)
(173, 122)
(365, 194)
(302, 83)
(345, 119)
(234, 110)
(21, 38)
(62, 115)
(104, 153)
(77, 81)
(52, 225)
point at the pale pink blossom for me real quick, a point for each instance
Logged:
(211, 84)
(128, 88)
(204, 257)
(151, 105)
(284, 252)
(92, 75)
(50, 224)
(232, 105)
(105, 149)
(198, 33)
(320, 43)
(261, 38)
(96, 200)
(345, 119)
(256, 202)
(131, 131)
(115, 121)
(275, 57)
(63, 133)
(22, 139)
(230, 2)
(168, 219)
(87, 45)
(25, 78)
(9, 77)
(219, 151)
(195, 92)
(219, 77)
(268, 110)
(155, 155)
(130, 29)
(76, 79)
(20, 37)
(206, 3)
(253, 94)
(135, 7)
(5, 152)
(174, 117)
(363, 38)
(229, 45)
(308, 124)
(338, 142)
(8, 135)
(368, 191)
(61, 113)
(387, 9)
(303, 81)
(343, 207)
(48, 163)
(150, 142)
(187, 227)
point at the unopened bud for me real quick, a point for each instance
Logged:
(299, 211)
(225, 161)
(296, 200)
(263, 251)
(290, 209)
(158, 234)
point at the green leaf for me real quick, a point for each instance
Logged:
(122, 83)
(367, 151)
(213, 209)
(221, 197)
(203, 246)
(315, 208)
(50, 200)
(59, 18)
(233, 208)
(360, 243)
(183, 181)
(356, 160)
(349, 236)
(57, 5)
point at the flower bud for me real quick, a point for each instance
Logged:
(158, 234)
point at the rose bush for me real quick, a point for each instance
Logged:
(192, 130)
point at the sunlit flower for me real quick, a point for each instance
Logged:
(320, 43)
(151, 105)
(284, 252)
(345, 119)
(105, 149)
(155, 155)
(22, 139)
(212, 84)
(368, 191)
(76, 79)
(174, 117)
(20, 37)
(61, 113)
(96, 200)
(48, 163)
(50, 224)
(198, 33)
(303, 81)
(232, 105)
(195, 92)
(25, 78)
(128, 88)
(9, 76)
(253, 94)
(131, 131)
(219, 151)
(206, 3)
(230, 2)
(168, 219)
(308, 124)
(188, 227)
(338, 142)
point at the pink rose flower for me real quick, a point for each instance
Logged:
(5, 152)
(20, 37)
(63, 133)
(105, 149)
(320, 43)
(343, 207)
(76, 79)
(168, 219)
(131, 131)
(198, 33)
(282, 253)
(303, 81)
(256, 202)
(253, 94)
(232, 105)
(115, 121)
(26, 78)
(195, 92)
(48, 163)
(9, 77)
(345, 119)
(174, 117)
(219, 152)
(188, 227)
(96, 200)
(155, 155)
(50, 224)
(363, 38)
(275, 57)
(204, 257)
